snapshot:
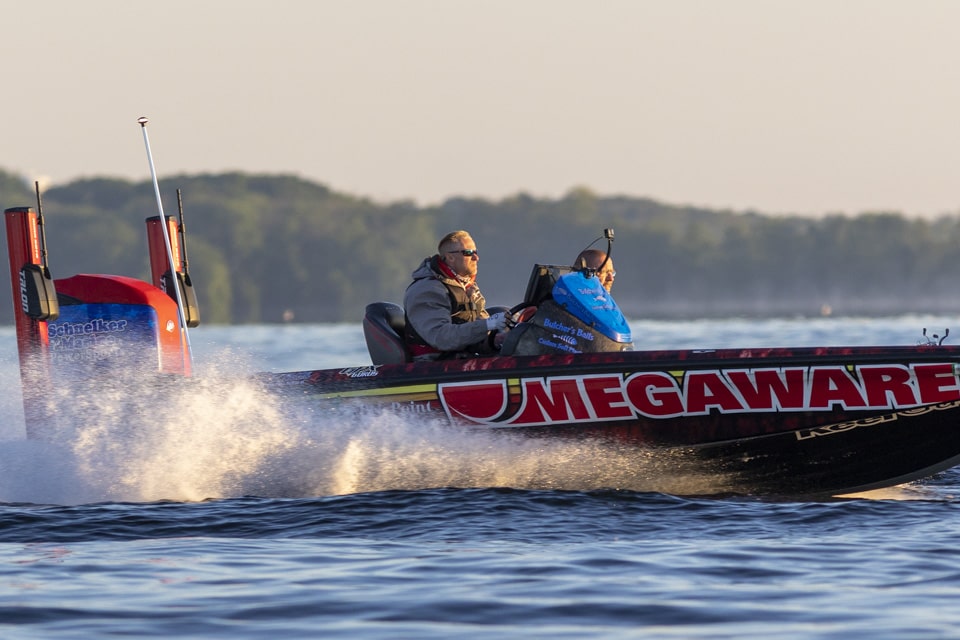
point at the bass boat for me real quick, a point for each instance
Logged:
(788, 422)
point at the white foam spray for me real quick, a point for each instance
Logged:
(221, 435)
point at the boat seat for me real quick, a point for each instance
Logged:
(542, 280)
(383, 329)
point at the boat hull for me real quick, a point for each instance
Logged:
(790, 422)
(845, 457)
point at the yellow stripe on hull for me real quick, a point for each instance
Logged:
(426, 390)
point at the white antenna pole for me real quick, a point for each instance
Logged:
(181, 317)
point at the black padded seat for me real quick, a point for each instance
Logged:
(383, 329)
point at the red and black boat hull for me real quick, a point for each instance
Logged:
(811, 421)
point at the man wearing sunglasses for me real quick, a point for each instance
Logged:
(594, 259)
(446, 314)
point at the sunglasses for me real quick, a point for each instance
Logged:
(466, 252)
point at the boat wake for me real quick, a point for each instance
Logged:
(221, 435)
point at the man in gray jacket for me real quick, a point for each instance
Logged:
(445, 312)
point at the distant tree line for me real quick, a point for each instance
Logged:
(266, 247)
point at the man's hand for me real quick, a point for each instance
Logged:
(497, 322)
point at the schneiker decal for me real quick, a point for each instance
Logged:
(657, 394)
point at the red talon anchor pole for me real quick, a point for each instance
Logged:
(35, 304)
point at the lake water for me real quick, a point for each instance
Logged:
(219, 512)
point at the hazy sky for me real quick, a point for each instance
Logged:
(793, 106)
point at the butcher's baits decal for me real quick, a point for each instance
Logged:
(658, 394)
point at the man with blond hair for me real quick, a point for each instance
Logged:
(445, 312)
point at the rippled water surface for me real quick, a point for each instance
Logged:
(217, 511)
